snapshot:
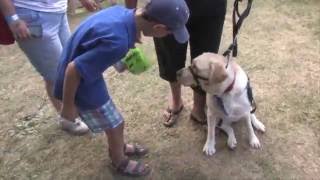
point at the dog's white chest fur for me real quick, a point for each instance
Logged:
(232, 108)
(235, 104)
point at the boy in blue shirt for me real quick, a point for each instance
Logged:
(98, 43)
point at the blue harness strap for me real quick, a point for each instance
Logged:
(220, 104)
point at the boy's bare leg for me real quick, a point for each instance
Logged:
(176, 100)
(70, 125)
(116, 144)
(55, 102)
(171, 114)
(116, 152)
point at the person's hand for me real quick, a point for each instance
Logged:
(91, 5)
(19, 30)
(69, 112)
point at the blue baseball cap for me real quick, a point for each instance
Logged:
(172, 13)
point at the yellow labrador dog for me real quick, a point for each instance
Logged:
(228, 97)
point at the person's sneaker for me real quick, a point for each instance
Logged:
(76, 128)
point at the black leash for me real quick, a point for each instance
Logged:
(237, 20)
(250, 97)
(236, 27)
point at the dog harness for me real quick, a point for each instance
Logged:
(220, 103)
(250, 98)
(237, 20)
(219, 100)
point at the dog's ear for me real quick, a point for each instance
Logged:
(218, 73)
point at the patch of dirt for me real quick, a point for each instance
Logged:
(279, 47)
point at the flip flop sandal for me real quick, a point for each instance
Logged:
(196, 119)
(138, 150)
(172, 117)
(137, 170)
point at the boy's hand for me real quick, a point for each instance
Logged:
(91, 5)
(69, 112)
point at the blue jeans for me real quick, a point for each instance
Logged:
(44, 51)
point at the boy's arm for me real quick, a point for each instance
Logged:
(17, 26)
(132, 4)
(70, 86)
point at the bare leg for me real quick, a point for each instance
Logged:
(55, 102)
(116, 152)
(69, 125)
(176, 100)
(198, 111)
(171, 115)
(116, 144)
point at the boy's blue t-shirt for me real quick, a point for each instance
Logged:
(99, 42)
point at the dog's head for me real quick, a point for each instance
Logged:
(207, 70)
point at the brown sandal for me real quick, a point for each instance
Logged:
(127, 168)
(138, 150)
(172, 116)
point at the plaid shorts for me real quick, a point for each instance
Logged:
(105, 117)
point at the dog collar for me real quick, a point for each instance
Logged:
(219, 100)
(230, 87)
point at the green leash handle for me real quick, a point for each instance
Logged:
(136, 61)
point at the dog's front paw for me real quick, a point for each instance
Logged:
(209, 148)
(255, 143)
(232, 142)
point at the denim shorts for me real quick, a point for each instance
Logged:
(44, 51)
(105, 117)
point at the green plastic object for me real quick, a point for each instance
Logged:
(136, 61)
